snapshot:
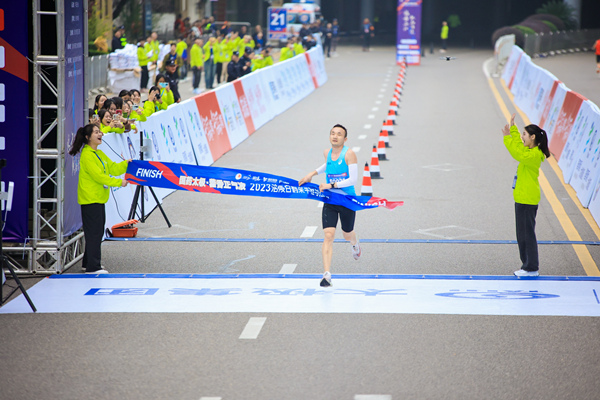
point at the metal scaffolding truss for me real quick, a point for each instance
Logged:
(48, 252)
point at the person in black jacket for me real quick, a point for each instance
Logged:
(173, 78)
(119, 41)
(234, 68)
(246, 62)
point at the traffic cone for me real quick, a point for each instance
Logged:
(383, 135)
(389, 127)
(366, 189)
(393, 106)
(375, 174)
(392, 117)
(381, 150)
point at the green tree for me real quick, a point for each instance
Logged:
(561, 10)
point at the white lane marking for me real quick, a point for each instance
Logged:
(309, 231)
(375, 109)
(363, 137)
(380, 96)
(373, 397)
(371, 116)
(382, 90)
(253, 328)
(289, 268)
(356, 149)
(377, 101)
(367, 126)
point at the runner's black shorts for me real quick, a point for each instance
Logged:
(598, 58)
(332, 212)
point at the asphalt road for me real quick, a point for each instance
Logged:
(447, 162)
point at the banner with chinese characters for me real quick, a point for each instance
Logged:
(408, 43)
(239, 182)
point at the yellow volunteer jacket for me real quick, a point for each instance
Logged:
(96, 171)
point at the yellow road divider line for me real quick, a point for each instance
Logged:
(588, 263)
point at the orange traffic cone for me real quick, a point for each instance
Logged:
(375, 174)
(393, 106)
(381, 150)
(366, 189)
(383, 135)
(392, 117)
(389, 127)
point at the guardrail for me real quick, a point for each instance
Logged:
(549, 44)
(97, 76)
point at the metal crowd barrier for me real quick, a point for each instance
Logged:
(97, 76)
(549, 44)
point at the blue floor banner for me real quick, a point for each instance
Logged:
(195, 178)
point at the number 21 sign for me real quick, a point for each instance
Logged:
(277, 23)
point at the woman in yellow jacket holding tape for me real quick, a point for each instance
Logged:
(529, 148)
(96, 175)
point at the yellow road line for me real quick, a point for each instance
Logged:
(588, 263)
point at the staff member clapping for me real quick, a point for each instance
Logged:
(96, 173)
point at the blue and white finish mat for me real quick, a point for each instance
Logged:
(300, 293)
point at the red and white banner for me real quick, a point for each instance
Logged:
(199, 131)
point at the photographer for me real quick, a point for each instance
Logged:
(96, 173)
(166, 93)
(154, 102)
(109, 124)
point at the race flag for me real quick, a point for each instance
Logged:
(196, 178)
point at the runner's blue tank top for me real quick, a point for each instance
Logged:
(337, 171)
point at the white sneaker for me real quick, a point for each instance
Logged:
(326, 281)
(356, 252)
(523, 272)
(98, 272)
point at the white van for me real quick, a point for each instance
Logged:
(301, 12)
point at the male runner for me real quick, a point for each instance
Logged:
(341, 171)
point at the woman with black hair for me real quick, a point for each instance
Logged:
(529, 148)
(99, 102)
(96, 174)
(165, 89)
(108, 123)
(154, 102)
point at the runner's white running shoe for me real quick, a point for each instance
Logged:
(356, 252)
(326, 281)
(522, 272)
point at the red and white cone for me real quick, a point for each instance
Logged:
(375, 172)
(393, 106)
(381, 150)
(391, 117)
(383, 135)
(366, 189)
(389, 127)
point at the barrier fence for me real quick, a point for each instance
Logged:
(97, 73)
(542, 45)
(570, 120)
(200, 130)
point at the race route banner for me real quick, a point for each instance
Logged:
(239, 182)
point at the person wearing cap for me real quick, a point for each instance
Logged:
(234, 68)
(172, 79)
(246, 62)
(171, 56)
(119, 41)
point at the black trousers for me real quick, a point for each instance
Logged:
(196, 74)
(93, 217)
(219, 71)
(144, 78)
(528, 248)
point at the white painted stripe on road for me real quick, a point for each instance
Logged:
(377, 101)
(309, 231)
(373, 397)
(289, 268)
(371, 116)
(356, 149)
(382, 90)
(363, 137)
(375, 109)
(380, 96)
(253, 328)
(367, 126)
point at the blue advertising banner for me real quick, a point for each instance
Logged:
(74, 108)
(14, 117)
(239, 182)
(277, 23)
(408, 43)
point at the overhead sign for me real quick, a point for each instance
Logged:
(277, 23)
(408, 43)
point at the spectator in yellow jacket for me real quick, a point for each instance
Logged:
(210, 52)
(197, 63)
(288, 51)
(166, 94)
(154, 102)
(142, 55)
(108, 124)
(97, 173)
(183, 52)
